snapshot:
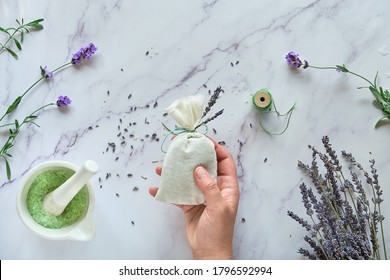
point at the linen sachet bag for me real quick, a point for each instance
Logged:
(187, 150)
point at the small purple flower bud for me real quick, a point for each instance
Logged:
(46, 73)
(293, 59)
(63, 101)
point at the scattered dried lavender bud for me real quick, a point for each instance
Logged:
(204, 85)
(129, 96)
(146, 121)
(108, 93)
(243, 220)
(108, 175)
(134, 123)
(237, 62)
(215, 132)
(120, 120)
(135, 189)
(119, 134)
(265, 160)
(117, 175)
(90, 127)
(147, 136)
(145, 178)
(129, 175)
(117, 194)
(231, 63)
(222, 143)
(116, 159)
(155, 104)
(250, 125)
(123, 143)
(131, 135)
(132, 222)
(165, 114)
(147, 106)
(147, 53)
(101, 186)
(100, 179)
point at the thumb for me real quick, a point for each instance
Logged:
(207, 185)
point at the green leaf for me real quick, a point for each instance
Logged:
(12, 53)
(31, 117)
(18, 21)
(8, 169)
(342, 68)
(14, 105)
(36, 23)
(382, 121)
(38, 20)
(2, 29)
(375, 92)
(8, 146)
(17, 44)
(22, 37)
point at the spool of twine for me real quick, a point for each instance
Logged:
(262, 100)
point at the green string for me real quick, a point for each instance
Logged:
(289, 112)
(178, 131)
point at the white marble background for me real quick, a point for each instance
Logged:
(190, 44)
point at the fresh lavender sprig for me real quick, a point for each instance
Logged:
(62, 101)
(342, 227)
(21, 29)
(84, 53)
(381, 96)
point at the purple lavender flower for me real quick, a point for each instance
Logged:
(84, 53)
(46, 73)
(293, 59)
(63, 101)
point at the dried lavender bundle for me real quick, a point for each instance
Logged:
(344, 221)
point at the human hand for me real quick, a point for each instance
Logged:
(210, 227)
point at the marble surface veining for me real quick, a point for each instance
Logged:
(153, 52)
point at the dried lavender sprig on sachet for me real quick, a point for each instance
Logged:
(340, 231)
(210, 119)
(212, 101)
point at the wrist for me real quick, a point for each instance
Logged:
(212, 255)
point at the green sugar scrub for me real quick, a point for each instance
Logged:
(45, 183)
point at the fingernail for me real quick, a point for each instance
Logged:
(200, 172)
